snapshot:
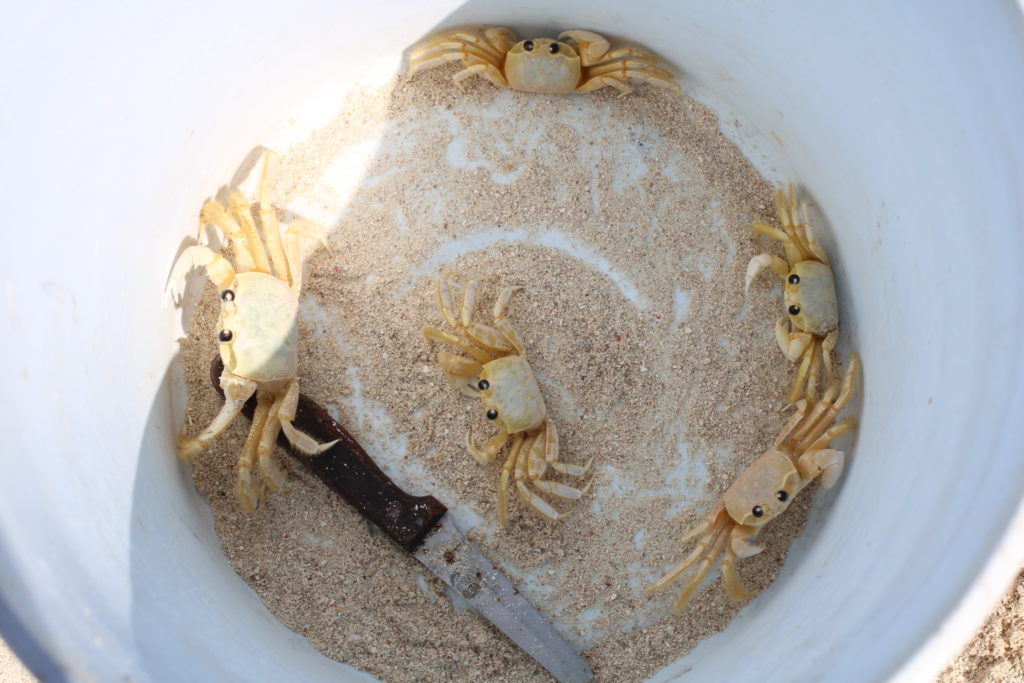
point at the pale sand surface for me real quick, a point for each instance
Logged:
(549, 206)
(626, 221)
(995, 655)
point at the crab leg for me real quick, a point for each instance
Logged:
(825, 411)
(771, 231)
(272, 234)
(559, 489)
(626, 67)
(531, 498)
(538, 458)
(492, 340)
(599, 82)
(827, 408)
(711, 520)
(506, 473)
(241, 211)
(467, 38)
(698, 577)
(806, 431)
(416, 67)
(616, 76)
(285, 414)
(790, 210)
(434, 334)
(815, 369)
(710, 530)
(468, 304)
(570, 468)
(593, 48)
(452, 50)
(218, 269)
(445, 302)
(499, 318)
(544, 454)
(536, 502)
(214, 213)
(812, 243)
(271, 227)
(638, 52)
(540, 453)
(795, 419)
(793, 252)
(272, 475)
(714, 535)
(488, 71)
(470, 48)
(827, 346)
(237, 391)
(834, 433)
(296, 231)
(244, 488)
(501, 39)
(490, 449)
(801, 373)
(730, 579)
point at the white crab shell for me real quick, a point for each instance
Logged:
(261, 315)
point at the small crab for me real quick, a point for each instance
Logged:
(579, 61)
(809, 333)
(511, 398)
(257, 331)
(765, 489)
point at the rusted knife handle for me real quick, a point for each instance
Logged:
(346, 468)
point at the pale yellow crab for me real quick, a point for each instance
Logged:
(765, 489)
(512, 399)
(808, 333)
(579, 61)
(257, 331)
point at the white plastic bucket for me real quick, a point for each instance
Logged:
(902, 121)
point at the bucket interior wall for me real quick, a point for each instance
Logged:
(898, 121)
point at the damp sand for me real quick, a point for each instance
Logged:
(627, 224)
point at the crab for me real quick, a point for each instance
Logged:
(766, 488)
(809, 331)
(257, 332)
(578, 61)
(506, 385)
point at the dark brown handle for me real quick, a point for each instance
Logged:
(347, 469)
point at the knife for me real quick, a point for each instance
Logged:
(422, 526)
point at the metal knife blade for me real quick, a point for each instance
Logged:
(421, 525)
(447, 553)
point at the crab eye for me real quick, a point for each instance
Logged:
(758, 511)
(782, 495)
(227, 295)
(225, 335)
(794, 279)
(553, 48)
(794, 310)
(492, 414)
(528, 46)
(483, 385)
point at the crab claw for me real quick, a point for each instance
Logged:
(744, 548)
(590, 46)
(759, 263)
(831, 463)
